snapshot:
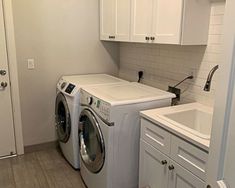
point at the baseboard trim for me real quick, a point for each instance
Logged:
(39, 147)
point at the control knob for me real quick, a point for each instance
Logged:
(89, 100)
(63, 85)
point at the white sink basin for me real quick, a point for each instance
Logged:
(193, 118)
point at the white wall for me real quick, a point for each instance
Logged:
(165, 65)
(63, 38)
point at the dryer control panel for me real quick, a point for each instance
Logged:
(67, 88)
(70, 88)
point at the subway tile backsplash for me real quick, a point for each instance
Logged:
(165, 65)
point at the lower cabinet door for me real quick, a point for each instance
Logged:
(153, 172)
(179, 177)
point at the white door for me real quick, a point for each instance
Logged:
(7, 138)
(122, 20)
(153, 172)
(141, 20)
(182, 178)
(167, 17)
(107, 26)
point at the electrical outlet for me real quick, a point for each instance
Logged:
(177, 92)
(31, 64)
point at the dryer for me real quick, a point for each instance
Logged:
(109, 132)
(67, 110)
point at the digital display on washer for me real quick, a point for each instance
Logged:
(70, 88)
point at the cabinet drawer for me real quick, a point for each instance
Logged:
(189, 156)
(156, 136)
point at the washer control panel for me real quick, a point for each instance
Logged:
(101, 107)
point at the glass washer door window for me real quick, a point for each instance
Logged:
(63, 121)
(91, 142)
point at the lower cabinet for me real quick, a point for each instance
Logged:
(179, 177)
(156, 170)
(153, 167)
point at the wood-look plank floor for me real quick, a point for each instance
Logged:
(42, 169)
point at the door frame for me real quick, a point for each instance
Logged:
(223, 101)
(13, 74)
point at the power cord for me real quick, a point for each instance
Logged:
(187, 78)
(140, 76)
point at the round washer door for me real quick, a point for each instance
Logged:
(91, 142)
(62, 118)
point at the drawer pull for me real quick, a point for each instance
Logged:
(171, 167)
(147, 38)
(164, 162)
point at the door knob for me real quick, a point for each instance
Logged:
(164, 162)
(152, 38)
(3, 84)
(3, 72)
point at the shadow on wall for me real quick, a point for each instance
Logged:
(114, 54)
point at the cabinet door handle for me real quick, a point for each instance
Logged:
(146, 38)
(152, 38)
(111, 37)
(171, 167)
(164, 162)
(3, 72)
(3, 85)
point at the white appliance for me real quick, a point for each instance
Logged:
(67, 110)
(109, 132)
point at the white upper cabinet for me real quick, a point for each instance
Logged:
(141, 22)
(122, 20)
(184, 22)
(106, 19)
(115, 20)
(167, 18)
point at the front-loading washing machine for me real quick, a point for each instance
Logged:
(109, 132)
(67, 110)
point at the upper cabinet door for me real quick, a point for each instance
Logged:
(122, 20)
(141, 21)
(107, 18)
(167, 17)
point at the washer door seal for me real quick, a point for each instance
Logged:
(62, 118)
(91, 142)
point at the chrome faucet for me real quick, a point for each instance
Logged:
(209, 78)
